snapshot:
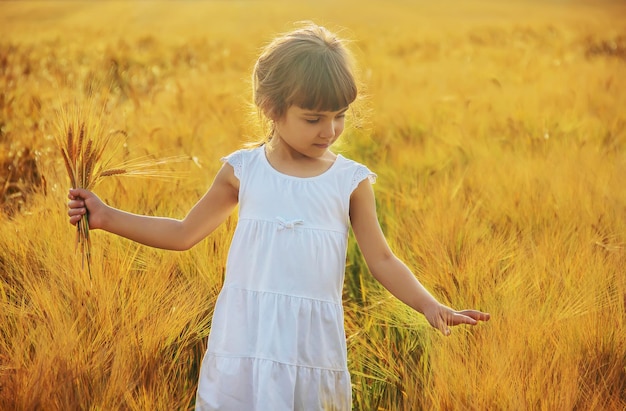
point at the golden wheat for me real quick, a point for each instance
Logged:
(500, 182)
(84, 138)
(112, 172)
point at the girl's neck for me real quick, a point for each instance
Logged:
(284, 159)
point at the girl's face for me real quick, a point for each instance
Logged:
(310, 132)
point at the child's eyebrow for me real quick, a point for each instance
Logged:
(322, 113)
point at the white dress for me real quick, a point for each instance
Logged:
(277, 340)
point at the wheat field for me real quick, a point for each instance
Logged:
(498, 133)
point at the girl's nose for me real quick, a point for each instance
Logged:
(328, 131)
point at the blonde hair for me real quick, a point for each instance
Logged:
(309, 67)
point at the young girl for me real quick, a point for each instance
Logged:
(277, 340)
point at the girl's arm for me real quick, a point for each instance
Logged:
(392, 273)
(212, 209)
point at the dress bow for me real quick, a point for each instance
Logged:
(287, 224)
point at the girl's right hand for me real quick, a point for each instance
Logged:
(81, 201)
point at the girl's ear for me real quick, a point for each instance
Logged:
(271, 114)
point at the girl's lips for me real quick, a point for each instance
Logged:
(322, 145)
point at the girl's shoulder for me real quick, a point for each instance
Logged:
(357, 171)
(237, 159)
(348, 162)
(243, 152)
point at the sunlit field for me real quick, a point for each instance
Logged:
(498, 133)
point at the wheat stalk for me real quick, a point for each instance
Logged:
(84, 140)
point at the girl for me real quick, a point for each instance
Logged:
(277, 340)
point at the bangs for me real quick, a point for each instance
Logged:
(325, 84)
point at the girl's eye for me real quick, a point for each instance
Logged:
(312, 120)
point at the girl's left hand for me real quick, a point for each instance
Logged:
(442, 317)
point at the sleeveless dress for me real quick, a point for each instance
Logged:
(277, 340)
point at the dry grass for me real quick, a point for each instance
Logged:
(499, 138)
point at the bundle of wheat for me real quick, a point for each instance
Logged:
(85, 139)
(82, 140)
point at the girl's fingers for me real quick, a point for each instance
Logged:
(75, 212)
(75, 204)
(79, 193)
(74, 219)
(74, 192)
(448, 318)
(470, 317)
(476, 315)
(462, 319)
